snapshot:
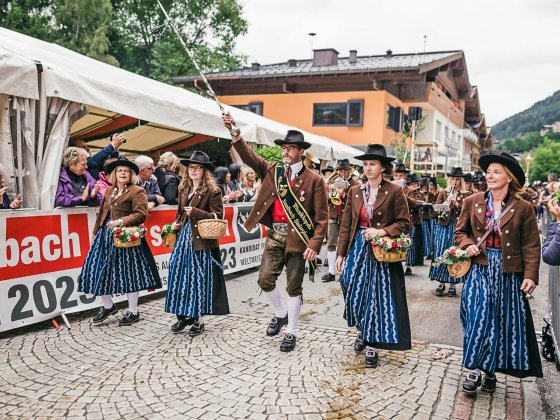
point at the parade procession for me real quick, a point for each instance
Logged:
(185, 235)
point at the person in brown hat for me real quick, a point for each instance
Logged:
(498, 229)
(376, 209)
(453, 197)
(293, 205)
(336, 211)
(416, 252)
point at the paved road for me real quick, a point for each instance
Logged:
(234, 371)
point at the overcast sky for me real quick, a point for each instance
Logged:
(512, 47)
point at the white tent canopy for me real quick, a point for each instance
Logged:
(80, 79)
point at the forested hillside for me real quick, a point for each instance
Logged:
(543, 112)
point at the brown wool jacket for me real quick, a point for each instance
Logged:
(428, 197)
(204, 207)
(521, 245)
(412, 197)
(390, 213)
(308, 185)
(442, 197)
(131, 207)
(333, 210)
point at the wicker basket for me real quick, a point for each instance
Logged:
(459, 269)
(388, 256)
(122, 244)
(169, 239)
(212, 228)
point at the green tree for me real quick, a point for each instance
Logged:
(144, 43)
(270, 153)
(29, 17)
(546, 159)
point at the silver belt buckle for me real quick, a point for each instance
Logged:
(280, 228)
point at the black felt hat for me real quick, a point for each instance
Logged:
(343, 164)
(375, 152)
(505, 159)
(122, 162)
(327, 169)
(401, 168)
(199, 158)
(457, 172)
(469, 177)
(410, 178)
(294, 138)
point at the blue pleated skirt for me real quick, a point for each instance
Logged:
(497, 322)
(443, 239)
(194, 279)
(109, 270)
(415, 256)
(375, 298)
(427, 231)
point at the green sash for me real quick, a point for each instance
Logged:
(296, 213)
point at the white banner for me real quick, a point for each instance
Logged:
(42, 252)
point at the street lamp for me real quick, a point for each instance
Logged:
(312, 34)
(528, 161)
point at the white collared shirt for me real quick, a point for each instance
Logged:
(295, 168)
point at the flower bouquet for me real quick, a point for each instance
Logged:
(387, 249)
(457, 260)
(129, 236)
(168, 236)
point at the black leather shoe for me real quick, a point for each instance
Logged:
(359, 344)
(471, 383)
(488, 383)
(371, 358)
(181, 324)
(288, 343)
(328, 277)
(408, 271)
(452, 291)
(196, 329)
(275, 325)
(440, 289)
(104, 313)
(129, 318)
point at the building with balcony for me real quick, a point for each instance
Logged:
(366, 99)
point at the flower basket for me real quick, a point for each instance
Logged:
(391, 250)
(168, 236)
(127, 237)
(457, 260)
(212, 228)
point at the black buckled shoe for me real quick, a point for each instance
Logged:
(104, 313)
(471, 383)
(452, 291)
(488, 383)
(181, 324)
(129, 318)
(371, 357)
(288, 343)
(196, 329)
(275, 325)
(408, 271)
(440, 289)
(359, 344)
(328, 277)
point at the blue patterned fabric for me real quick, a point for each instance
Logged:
(191, 282)
(411, 255)
(110, 270)
(427, 230)
(443, 239)
(366, 285)
(493, 315)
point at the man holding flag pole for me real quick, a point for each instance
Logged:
(293, 205)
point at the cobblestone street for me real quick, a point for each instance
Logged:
(231, 371)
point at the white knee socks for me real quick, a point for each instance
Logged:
(107, 301)
(133, 302)
(332, 261)
(294, 308)
(275, 299)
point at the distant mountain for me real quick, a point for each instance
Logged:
(543, 112)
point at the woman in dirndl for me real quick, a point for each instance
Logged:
(196, 285)
(108, 269)
(428, 198)
(374, 292)
(453, 196)
(499, 335)
(415, 255)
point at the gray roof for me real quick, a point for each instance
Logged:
(373, 63)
